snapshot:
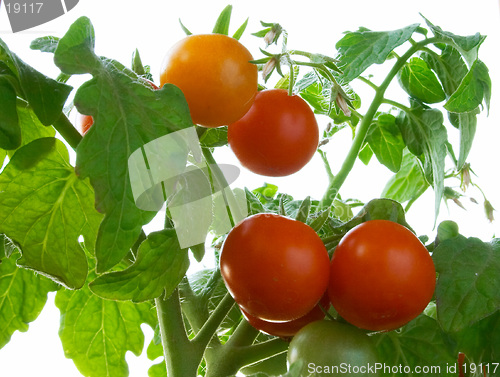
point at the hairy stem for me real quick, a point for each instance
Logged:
(67, 131)
(181, 356)
(363, 127)
(212, 324)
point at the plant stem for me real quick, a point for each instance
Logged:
(260, 351)
(244, 335)
(67, 131)
(396, 104)
(181, 356)
(212, 324)
(365, 124)
(229, 360)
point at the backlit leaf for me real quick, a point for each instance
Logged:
(45, 208)
(476, 293)
(360, 49)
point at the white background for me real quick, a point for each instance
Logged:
(152, 27)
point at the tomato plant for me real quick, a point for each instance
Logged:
(276, 268)
(144, 222)
(277, 136)
(215, 74)
(381, 276)
(330, 348)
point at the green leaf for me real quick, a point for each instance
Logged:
(303, 210)
(75, 51)
(22, 297)
(468, 288)
(214, 137)
(420, 344)
(386, 142)
(425, 136)
(449, 67)
(222, 23)
(467, 123)
(184, 28)
(319, 96)
(158, 370)
(365, 154)
(319, 219)
(408, 183)
(127, 117)
(45, 95)
(10, 132)
(467, 46)
(237, 35)
(137, 65)
(96, 333)
(160, 265)
(473, 90)
(481, 342)
(359, 50)
(45, 208)
(418, 80)
(198, 251)
(451, 70)
(384, 209)
(45, 44)
(31, 128)
(253, 203)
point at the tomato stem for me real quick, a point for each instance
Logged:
(212, 324)
(338, 180)
(67, 131)
(181, 357)
(243, 335)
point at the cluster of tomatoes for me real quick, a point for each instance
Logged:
(270, 132)
(278, 271)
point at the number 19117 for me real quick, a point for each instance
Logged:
(24, 8)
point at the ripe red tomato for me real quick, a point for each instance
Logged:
(215, 74)
(381, 276)
(83, 122)
(276, 268)
(289, 328)
(278, 136)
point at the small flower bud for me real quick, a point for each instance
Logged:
(465, 177)
(488, 209)
(269, 68)
(342, 104)
(273, 34)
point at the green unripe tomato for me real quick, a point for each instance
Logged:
(330, 348)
